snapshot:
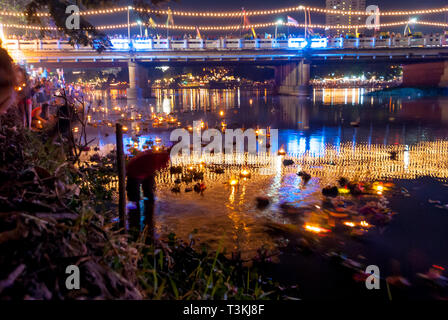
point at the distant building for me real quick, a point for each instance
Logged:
(344, 19)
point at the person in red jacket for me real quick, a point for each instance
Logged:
(140, 171)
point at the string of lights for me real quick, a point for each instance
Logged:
(233, 27)
(237, 13)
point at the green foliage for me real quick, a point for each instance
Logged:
(86, 35)
(175, 270)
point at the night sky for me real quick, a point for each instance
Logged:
(233, 5)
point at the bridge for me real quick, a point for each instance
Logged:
(424, 58)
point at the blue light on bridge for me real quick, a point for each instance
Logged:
(297, 43)
(120, 44)
(142, 44)
(319, 43)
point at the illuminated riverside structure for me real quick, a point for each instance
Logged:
(232, 44)
(291, 58)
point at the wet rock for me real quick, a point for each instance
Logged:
(305, 176)
(175, 189)
(304, 245)
(330, 191)
(177, 169)
(188, 189)
(198, 176)
(355, 188)
(199, 187)
(343, 181)
(218, 170)
(262, 202)
(288, 162)
(393, 155)
(187, 178)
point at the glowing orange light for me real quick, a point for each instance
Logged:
(349, 224)
(315, 229)
(233, 182)
(364, 223)
(281, 151)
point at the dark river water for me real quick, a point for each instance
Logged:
(334, 133)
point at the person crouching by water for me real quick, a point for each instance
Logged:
(140, 172)
(40, 116)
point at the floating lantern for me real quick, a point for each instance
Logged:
(349, 224)
(125, 129)
(221, 113)
(233, 182)
(281, 151)
(315, 229)
(245, 173)
(343, 190)
(364, 223)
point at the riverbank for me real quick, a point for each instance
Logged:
(59, 214)
(408, 92)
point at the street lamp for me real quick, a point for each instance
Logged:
(139, 22)
(277, 23)
(411, 21)
(129, 26)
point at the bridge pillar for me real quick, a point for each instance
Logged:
(138, 82)
(293, 78)
(427, 74)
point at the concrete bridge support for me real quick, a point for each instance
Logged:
(427, 74)
(138, 82)
(293, 78)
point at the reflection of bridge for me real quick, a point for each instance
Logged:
(292, 57)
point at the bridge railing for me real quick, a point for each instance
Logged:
(235, 44)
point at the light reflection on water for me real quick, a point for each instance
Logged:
(315, 131)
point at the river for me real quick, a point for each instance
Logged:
(331, 134)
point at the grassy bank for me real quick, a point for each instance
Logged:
(56, 212)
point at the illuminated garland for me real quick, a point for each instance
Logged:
(238, 13)
(234, 27)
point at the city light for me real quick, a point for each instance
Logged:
(225, 14)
